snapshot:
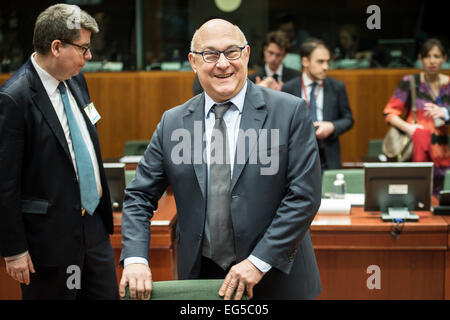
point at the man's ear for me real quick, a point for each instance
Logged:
(305, 61)
(56, 47)
(192, 62)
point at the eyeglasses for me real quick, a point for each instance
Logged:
(85, 49)
(232, 53)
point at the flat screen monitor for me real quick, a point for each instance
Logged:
(115, 175)
(396, 53)
(398, 188)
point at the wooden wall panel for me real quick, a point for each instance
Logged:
(132, 103)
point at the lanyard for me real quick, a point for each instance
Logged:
(306, 95)
(438, 99)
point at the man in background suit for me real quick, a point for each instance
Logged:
(328, 104)
(274, 73)
(54, 201)
(262, 244)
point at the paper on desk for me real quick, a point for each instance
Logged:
(335, 206)
(356, 199)
(130, 159)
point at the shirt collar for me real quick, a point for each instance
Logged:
(50, 83)
(270, 73)
(237, 100)
(307, 81)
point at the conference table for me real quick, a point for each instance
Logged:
(411, 260)
(359, 256)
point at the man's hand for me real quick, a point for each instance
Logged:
(138, 277)
(242, 276)
(269, 82)
(19, 269)
(323, 129)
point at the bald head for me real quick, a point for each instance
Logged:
(216, 26)
(223, 76)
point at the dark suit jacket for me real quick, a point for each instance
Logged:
(287, 75)
(335, 109)
(40, 204)
(271, 214)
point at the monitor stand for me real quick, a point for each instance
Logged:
(399, 214)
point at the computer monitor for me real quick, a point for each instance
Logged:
(396, 53)
(115, 175)
(398, 188)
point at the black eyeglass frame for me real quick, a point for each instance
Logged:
(218, 52)
(85, 49)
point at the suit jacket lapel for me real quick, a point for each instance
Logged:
(193, 121)
(43, 103)
(253, 116)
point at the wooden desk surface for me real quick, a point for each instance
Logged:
(162, 225)
(413, 264)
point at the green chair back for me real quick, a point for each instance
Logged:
(447, 180)
(374, 148)
(185, 290)
(129, 175)
(354, 179)
(135, 147)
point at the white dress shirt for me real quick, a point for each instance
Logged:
(51, 87)
(270, 73)
(232, 119)
(307, 82)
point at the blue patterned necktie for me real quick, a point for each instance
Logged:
(312, 102)
(86, 177)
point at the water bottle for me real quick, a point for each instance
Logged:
(339, 186)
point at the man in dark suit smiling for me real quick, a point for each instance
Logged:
(236, 220)
(54, 201)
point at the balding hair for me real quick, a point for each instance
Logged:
(194, 37)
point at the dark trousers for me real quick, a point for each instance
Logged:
(211, 270)
(96, 270)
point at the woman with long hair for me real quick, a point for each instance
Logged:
(430, 132)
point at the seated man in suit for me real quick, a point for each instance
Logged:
(274, 73)
(326, 98)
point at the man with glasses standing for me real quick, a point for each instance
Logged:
(236, 221)
(55, 207)
(274, 73)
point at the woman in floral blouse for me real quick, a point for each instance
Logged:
(430, 132)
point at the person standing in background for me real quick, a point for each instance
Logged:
(327, 100)
(55, 207)
(274, 74)
(430, 132)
